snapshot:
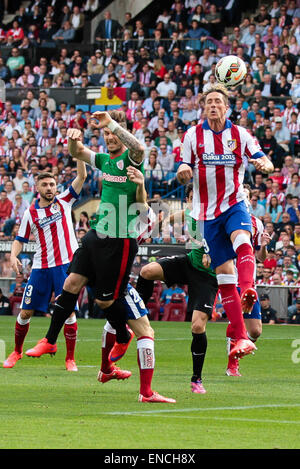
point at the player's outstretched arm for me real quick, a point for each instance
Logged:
(15, 251)
(263, 164)
(76, 148)
(78, 182)
(136, 150)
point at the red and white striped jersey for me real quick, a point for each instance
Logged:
(52, 228)
(145, 226)
(218, 169)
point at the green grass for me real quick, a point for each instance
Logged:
(43, 406)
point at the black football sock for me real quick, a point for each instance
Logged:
(64, 307)
(144, 288)
(116, 314)
(198, 349)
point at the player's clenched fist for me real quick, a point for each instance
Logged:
(184, 173)
(74, 134)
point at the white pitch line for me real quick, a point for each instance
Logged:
(197, 409)
(238, 419)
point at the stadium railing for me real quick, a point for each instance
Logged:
(278, 295)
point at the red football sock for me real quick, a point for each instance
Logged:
(146, 362)
(232, 362)
(70, 333)
(108, 340)
(20, 334)
(232, 305)
(245, 266)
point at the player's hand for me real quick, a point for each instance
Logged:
(135, 175)
(15, 264)
(262, 164)
(265, 239)
(74, 134)
(103, 118)
(206, 260)
(184, 173)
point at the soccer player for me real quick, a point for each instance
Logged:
(212, 153)
(135, 315)
(193, 270)
(260, 240)
(50, 221)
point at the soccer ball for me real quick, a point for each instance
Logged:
(230, 71)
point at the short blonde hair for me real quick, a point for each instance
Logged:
(217, 89)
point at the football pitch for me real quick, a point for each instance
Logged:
(44, 406)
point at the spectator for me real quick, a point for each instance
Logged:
(256, 209)
(165, 159)
(294, 210)
(268, 314)
(15, 63)
(65, 34)
(294, 313)
(282, 134)
(107, 28)
(5, 309)
(165, 86)
(6, 207)
(275, 209)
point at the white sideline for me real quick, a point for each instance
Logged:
(201, 409)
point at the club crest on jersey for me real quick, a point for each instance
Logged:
(55, 208)
(27, 300)
(120, 165)
(232, 144)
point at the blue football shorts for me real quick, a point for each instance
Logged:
(217, 232)
(40, 286)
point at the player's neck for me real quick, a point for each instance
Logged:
(217, 125)
(119, 152)
(44, 202)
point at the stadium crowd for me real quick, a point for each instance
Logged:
(164, 66)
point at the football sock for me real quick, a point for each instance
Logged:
(253, 339)
(116, 314)
(70, 333)
(232, 305)
(198, 349)
(232, 362)
(144, 288)
(64, 307)
(21, 329)
(108, 340)
(146, 362)
(245, 261)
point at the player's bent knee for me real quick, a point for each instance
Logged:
(199, 321)
(152, 271)
(26, 313)
(74, 283)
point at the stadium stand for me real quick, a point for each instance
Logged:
(54, 76)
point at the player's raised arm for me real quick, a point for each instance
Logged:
(76, 148)
(78, 182)
(136, 150)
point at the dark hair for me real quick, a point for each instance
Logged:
(119, 117)
(45, 175)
